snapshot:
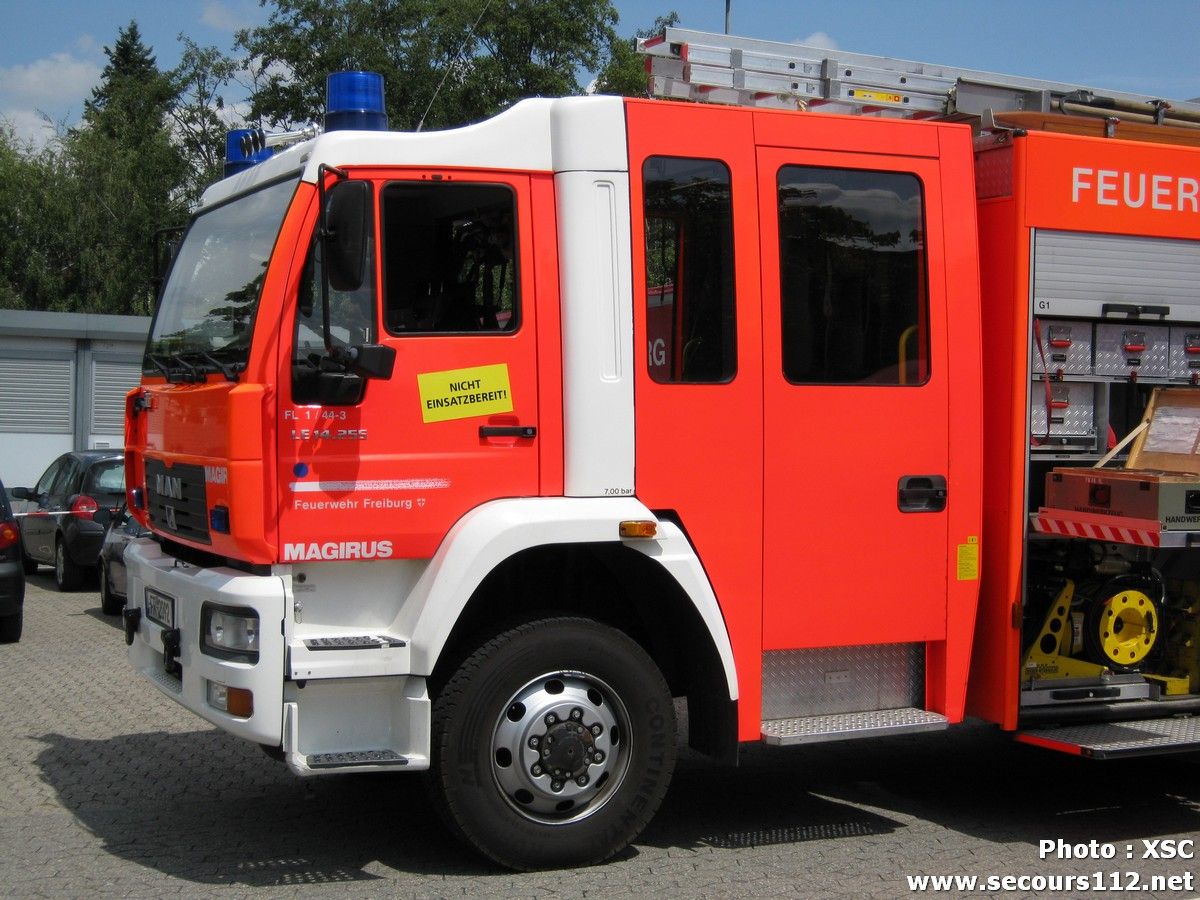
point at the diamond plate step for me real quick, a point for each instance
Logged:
(1109, 740)
(844, 726)
(356, 758)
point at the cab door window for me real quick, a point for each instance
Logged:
(449, 260)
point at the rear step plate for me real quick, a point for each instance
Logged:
(843, 726)
(1110, 740)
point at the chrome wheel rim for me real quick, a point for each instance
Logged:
(561, 747)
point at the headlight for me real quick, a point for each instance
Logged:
(229, 633)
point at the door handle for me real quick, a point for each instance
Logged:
(517, 431)
(921, 493)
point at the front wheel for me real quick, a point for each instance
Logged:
(553, 744)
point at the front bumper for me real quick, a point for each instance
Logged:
(186, 678)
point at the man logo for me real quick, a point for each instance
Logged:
(169, 486)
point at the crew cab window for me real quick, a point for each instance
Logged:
(852, 277)
(449, 264)
(690, 317)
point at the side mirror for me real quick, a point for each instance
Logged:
(373, 360)
(347, 226)
(23, 494)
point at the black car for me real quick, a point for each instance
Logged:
(12, 575)
(124, 528)
(57, 526)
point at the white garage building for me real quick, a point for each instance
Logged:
(63, 380)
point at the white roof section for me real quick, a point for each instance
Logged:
(539, 135)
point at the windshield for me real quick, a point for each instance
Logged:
(207, 309)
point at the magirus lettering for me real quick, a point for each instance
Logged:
(331, 550)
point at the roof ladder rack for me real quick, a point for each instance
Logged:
(716, 68)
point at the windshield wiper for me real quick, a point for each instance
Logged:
(230, 371)
(189, 375)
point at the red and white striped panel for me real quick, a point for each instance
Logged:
(1141, 532)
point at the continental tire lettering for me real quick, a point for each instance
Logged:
(335, 550)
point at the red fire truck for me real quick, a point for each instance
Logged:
(477, 452)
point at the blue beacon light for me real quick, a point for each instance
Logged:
(237, 159)
(354, 101)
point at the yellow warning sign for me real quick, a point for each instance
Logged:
(463, 393)
(968, 559)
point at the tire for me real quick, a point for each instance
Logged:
(67, 575)
(28, 563)
(553, 744)
(110, 604)
(10, 628)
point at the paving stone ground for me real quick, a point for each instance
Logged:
(108, 789)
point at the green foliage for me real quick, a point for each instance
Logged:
(37, 198)
(444, 63)
(199, 114)
(624, 74)
(78, 216)
(124, 156)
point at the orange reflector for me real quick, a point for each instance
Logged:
(239, 702)
(638, 529)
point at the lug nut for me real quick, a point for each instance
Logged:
(576, 714)
(551, 718)
(598, 756)
(534, 741)
(597, 729)
(536, 770)
(556, 786)
(582, 781)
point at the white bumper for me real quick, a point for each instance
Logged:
(191, 588)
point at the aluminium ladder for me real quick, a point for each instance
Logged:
(717, 68)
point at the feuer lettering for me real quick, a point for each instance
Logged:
(1134, 190)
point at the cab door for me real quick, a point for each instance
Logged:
(456, 424)
(855, 400)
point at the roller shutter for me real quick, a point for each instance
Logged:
(111, 381)
(35, 395)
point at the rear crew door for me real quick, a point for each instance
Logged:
(855, 396)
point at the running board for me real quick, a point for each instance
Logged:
(845, 726)
(1111, 740)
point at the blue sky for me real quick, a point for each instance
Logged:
(52, 51)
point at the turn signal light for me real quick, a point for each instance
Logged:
(235, 701)
(639, 529)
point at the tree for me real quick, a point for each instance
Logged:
(37, 191)
(443, 63)
(199, 116)
(128, 172)
(625, 73)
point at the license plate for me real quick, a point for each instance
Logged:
(160, 608)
